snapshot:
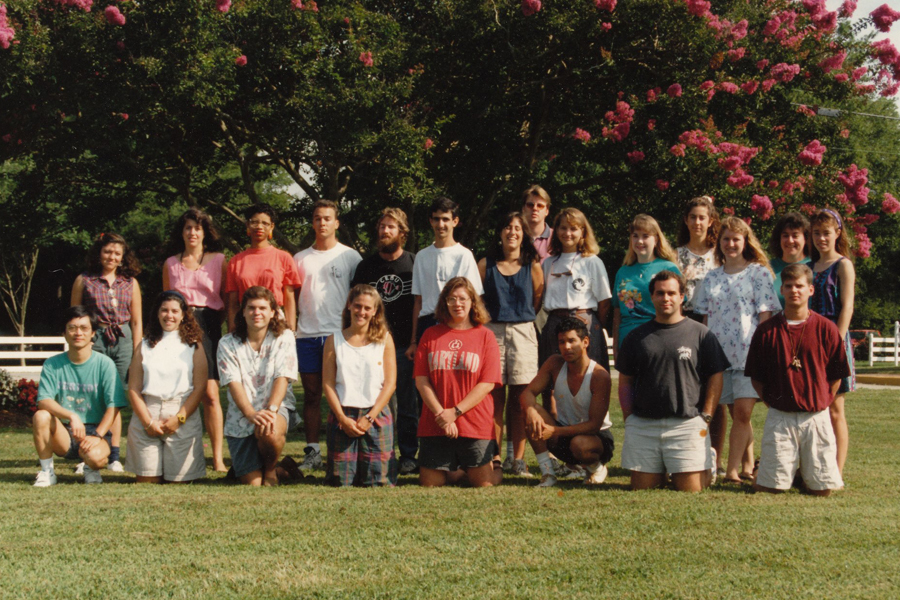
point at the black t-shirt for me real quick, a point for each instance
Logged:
(670, 365)
(393, 280)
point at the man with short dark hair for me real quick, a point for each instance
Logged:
(669, 385)
(796, 362)
(82, 387)
(579, 434)
(390, 271)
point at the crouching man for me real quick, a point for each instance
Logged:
(579, 434)
(796, 362)
(82, 388)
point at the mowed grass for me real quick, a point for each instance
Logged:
(216, 540)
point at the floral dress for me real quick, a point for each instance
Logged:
(694, 267)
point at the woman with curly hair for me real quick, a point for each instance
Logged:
(359, 375)
(456, 368)
(197, 270)
(257, 365)
(166, 383)
(108, 288)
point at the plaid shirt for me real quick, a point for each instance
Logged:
(112, 303)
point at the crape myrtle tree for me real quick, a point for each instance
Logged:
(615, 107)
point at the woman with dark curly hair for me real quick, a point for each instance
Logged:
(108, 287)
(166, 383)
(197, 270)
(257, 365)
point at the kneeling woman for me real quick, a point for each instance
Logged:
(166, 383)
(359, 375)
(457, 366)
(257, 364)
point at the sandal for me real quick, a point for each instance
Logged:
(733, 481)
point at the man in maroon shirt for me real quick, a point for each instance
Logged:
(796, 362)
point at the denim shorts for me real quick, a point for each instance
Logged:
(89, 429)
(245, 455)
(448, 454)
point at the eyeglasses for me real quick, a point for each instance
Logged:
(454, 301)
(533, 205)
(263, 224)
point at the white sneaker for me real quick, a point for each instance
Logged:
(91, 476)
(520, 469)
(115, 466)
(312, 461)
(564, 472)
(45, 479)
(597, 476)
(713, 473)
(79, 469)
(548, 480)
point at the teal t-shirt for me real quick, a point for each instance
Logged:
(631, 294)
(87, 389)
(778, 266)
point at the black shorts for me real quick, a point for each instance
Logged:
(561, 447)
(89, 429)
(446, 454)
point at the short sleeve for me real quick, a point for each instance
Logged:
(420, 366)
(470, 272)
(353, 260)
(627, 361)
(600, 281)
(113, 391)
(291, 275)
(231, 284)
(754, 363)
(227, 362)
(48, 387)
(417, 277)
(284, 356)
(490, 360)
(764, 290)
(701, 296)
(712, 356)
(837, 366)
(616, 283)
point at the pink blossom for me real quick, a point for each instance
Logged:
(123, 116)
(730, 163)
(854, 181)
(857, 73)
(739, 179)
(651, 124)
(805, 110)
(310, 6)
(890, 205)
(223, 6)
(845, 133)
(606, 26)
(784, 72)
(890, 90)
(832, 63)
(883, 17)
(366, 59)
(113, 15)
(581, 134)
(428, 143)
(529, 7)
(727, 86)
(848, 8)
(623, 113)
(674, 91)
(771, 27)
(7, 33)
(750, 87)
(728, 210)
(662, 185)
(841, 77)
(736, 54)
(241, 60)
(677, 150)
(812, 154)
(609, 5)
(651, 95)
(863, 89)
(762, 64)
(699, 8)
(635, 157)
(706, 85)
(762, 206)
(864, 245)
(885, 52)
(767, 84)
(84, 5)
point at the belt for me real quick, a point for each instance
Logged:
(570, 312)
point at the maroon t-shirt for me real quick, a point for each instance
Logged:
(822, 357)
(455, 361)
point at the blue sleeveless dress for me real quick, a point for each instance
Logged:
(826, 301)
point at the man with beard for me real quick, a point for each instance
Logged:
(390, 270)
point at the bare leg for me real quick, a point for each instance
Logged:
(587, 449)
(515, 421)
(539, 445)
(212, 416)
(50, 435)
(717, 432)
(270, 447)
(841, 431)
(312, 401)
(98, 457)
(693, 481)
(646, 481)
(741, 435)
(432, 477)
(485, 476)
(254, 478)
(140, 479)
(116, 430)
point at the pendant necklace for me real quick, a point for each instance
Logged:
(795, 361)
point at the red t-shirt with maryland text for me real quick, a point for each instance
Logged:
(455, 361)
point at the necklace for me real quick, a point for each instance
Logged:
(795, 361)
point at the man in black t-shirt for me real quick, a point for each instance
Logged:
(669, 385)
(389, 271)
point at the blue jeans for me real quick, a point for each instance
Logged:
(408, 407)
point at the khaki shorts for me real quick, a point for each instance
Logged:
(174, 457)
(798, 440)
(518, 351)
(669, 445)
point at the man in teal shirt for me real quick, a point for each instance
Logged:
(79, 386)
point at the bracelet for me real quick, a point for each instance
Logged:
(149, 425)
(369, 418)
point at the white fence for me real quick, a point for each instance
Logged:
(885, 349)
(24, 356)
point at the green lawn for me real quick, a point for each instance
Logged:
(215, 540)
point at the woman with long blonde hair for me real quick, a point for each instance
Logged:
(736, 298)
(359, 375)
(649, 253)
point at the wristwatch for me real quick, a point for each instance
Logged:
(706, 417)
(181, 417)
(459, 413)
(273, 408)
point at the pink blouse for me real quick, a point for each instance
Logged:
(201, 288)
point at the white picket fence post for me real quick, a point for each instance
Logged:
(896, 343)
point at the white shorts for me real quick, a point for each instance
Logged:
(798, 440)
(669, 445)
(736, 385)
(518, 351)
(174, 457)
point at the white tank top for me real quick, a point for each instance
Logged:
(360, 372)
(168, 367)
(572, 410)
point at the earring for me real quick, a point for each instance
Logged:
(270, 235)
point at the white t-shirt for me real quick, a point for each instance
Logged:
(168, 367)
(360, 372)
(324, 284)
(434, 267)
(574, 281)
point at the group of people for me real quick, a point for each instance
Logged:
(458, 351)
